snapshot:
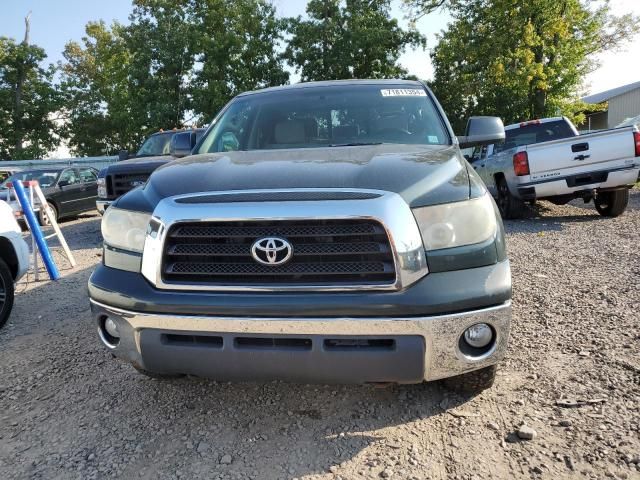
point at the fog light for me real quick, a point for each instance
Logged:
(478, 335)
(111, 327)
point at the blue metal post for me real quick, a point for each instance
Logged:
(34, 226)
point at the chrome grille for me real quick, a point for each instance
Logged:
(325, 252)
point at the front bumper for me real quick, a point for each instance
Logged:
(102, 205)
(314, 350)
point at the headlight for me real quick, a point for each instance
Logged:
(102, 188)
(456, 224)
(125, 229)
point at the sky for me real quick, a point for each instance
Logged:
(55, 22)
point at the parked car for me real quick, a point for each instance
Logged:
(6, 172)
(160, 148)
(548, 160)
(14, 259)
(321, 232)
(69, 191)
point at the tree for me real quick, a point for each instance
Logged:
(236, 50)
(350, 39)
(28, 101)
(104, 111)
(178, 61)
(517, 59)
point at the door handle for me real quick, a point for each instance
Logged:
(579, 147)
(581, 157)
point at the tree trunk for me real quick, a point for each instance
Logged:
(17, 111)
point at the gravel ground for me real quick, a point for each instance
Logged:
(571, 381)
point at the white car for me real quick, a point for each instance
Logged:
(548, 159)
(14, 258)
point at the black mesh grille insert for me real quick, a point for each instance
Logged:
(122, 183)
(325, 252)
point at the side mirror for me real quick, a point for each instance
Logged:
(181, 144)
(482, 131)
(123, 155)
(63, 183)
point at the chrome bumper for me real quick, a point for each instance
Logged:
(141, 333)
(102, 205)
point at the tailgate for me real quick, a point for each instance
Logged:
(577, 152)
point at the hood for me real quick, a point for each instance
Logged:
(422, 175)
(141, 164)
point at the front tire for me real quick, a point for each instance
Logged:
(6, 292)
(44, 218)
(510, 207)
(612, 204)
(472, 382)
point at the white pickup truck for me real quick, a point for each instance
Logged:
(548, 159)
(14, 259)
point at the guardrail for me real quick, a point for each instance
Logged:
(95, 162)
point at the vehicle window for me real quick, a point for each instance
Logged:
(4, 176)
(69, 176)
(327, 116)
(45, 178)
(535, 133)
(158, 144)
(87, 175)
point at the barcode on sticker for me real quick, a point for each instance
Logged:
(403, 92)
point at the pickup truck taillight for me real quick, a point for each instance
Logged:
(521, 164)
(636, 140)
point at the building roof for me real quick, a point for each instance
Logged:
(614, 92)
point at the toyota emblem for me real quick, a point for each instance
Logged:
(272, 251)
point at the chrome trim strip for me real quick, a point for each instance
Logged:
(389, 209)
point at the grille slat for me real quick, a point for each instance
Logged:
(214, 250)
(325, 252)
(197, 231)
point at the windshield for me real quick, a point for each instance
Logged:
(535, 133)
(46, 178)
(156, 145)
(327, 116)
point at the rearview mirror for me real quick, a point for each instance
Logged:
(63, 183)
(123, 155)
(181, 144)
(482, 131)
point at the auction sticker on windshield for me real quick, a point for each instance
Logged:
(403, 92)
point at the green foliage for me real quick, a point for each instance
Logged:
(28, 102)
(348, 39)
(520, 60)
(103, 112)
(177, 61)
(236, 51)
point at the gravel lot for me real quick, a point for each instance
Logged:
(68, 410)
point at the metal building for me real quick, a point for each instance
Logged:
(623, 103)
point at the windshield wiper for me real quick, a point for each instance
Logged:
(354, 144)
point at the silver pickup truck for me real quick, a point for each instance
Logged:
(548, 159)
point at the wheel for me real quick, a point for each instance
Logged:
(159, 376)
(612, 204)
(473, 382)
(44, 218)
(6, 292)
(509, 206)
